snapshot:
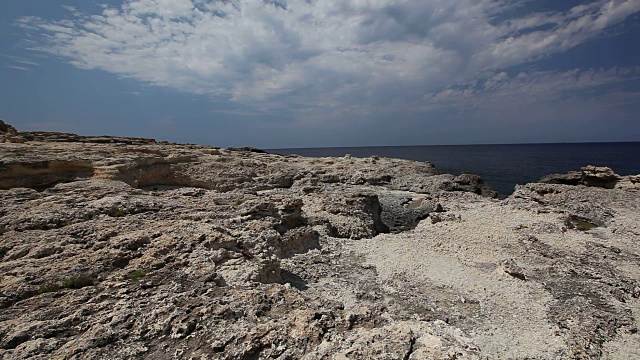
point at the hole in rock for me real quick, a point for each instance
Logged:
(581, 223)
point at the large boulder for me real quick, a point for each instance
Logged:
(595, 176)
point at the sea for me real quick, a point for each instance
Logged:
(501, 166)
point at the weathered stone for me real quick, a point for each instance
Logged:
(599, 177)
(629, 183)
(590, 175)
(572, 178)
(125, 248)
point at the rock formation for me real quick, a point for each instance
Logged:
(8, 133)
(594, 176)
(126, 248)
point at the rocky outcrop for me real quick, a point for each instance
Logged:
(148, 250)
(6, 128)
(590, 175)
(602, 177)
(571, 178)
(8, 133)
(629, 183)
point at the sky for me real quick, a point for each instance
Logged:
(319, 73)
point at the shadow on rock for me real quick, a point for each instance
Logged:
(293, 279)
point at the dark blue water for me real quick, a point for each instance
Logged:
(502, 166)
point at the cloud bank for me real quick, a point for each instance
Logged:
(278, 55)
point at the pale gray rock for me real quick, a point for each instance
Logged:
(125, 248)
(629, 183)
(599, 177)
(590, 175)
(403, 210)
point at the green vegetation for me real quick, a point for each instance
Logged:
(64, 223)
(45, 288)
(136, 192)
(72, 282)
(77, 282)
(137, 274)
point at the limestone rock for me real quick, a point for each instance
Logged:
(571, 178)
(9, 134)
(124, 248)
(599, 177)
(629, 183)
(590, 175)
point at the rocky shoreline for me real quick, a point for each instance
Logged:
(127, 248)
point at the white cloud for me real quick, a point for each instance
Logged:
(280, 54)
(536, 99)
(20, 60)
(15, 67)
(19, 63)
(537, 85)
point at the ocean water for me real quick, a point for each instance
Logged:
(501, 166)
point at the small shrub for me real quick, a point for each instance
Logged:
(77, 282)
(137, 274)
(64, 223)
(46, 288)
(238, 203)
(89, 216)
(36, 227)
(72, 282)
(136, 192)
(119, 213)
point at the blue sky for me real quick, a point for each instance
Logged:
(308, 73)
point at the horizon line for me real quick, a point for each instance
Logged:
(475, 144)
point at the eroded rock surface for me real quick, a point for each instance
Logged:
(595, 176)
(130, 249)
